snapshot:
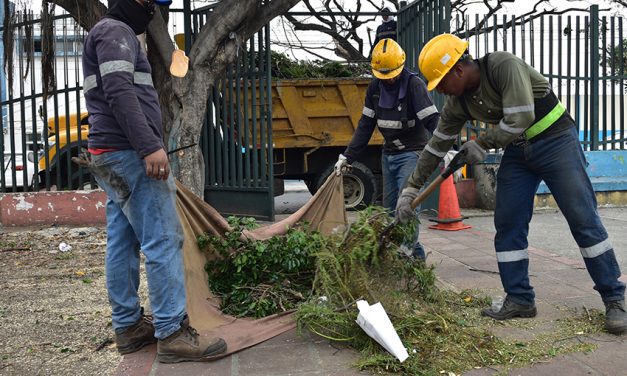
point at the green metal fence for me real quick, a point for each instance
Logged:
(236, 138)
(583, 54)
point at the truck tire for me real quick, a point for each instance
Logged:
(360, 188)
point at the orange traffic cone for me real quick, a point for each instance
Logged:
(449, 217)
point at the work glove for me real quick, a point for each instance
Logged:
(473, 152)
(341, 163)
(404, 211)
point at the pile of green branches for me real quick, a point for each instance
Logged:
(323, 277)
(285, 68)
(258, 278)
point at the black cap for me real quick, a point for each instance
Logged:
(385, 11)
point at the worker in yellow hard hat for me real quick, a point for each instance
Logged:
(541, 142)
(398, 103)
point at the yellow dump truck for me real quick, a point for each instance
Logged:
(312, 122)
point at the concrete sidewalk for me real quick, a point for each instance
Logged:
(463, 259)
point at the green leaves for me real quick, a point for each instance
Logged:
(259, 278)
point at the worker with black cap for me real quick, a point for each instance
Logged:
(129, 162)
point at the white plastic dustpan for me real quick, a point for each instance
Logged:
(376, 323)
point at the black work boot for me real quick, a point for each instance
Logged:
(136, 336)
(510, 309)
(185, 345)
(615, 317)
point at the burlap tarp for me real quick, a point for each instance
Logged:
(325, 212)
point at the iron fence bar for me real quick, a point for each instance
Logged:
(613, 82)
(66, 97)
(20, 54)
(621, 53)
(568, 67)
(12, 136)
(253, 86)
(31, 51)
(247, 119)
(268, 105)
(238, 98)
(603, 124)
(262, 113)
(230, 129)
(594, 76)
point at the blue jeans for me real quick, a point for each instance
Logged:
(560, 162)
(396, 171)
(141, 214)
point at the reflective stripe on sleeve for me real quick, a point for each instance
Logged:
(596, 250)
(425, 112)
(443, 136)
(431, 150)
(116, 66)
(517, 109)
(89, 83)
(142, 78)
(368, 112)
(394, 124)
(512, 256)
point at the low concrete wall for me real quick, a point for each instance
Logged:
(47, 208)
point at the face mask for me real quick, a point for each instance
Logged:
(135, 15)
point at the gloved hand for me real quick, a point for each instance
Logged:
(341, 162)
(404, 211)
(474, 152)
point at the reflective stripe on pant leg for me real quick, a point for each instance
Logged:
(516, 186)
(562, 162)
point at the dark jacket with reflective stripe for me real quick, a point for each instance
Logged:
(422, 118)
(385, 30)
(122, 102)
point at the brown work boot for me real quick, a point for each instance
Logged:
(185, 345)
(615, 317)
(136, 336)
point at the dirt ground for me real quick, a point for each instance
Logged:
(54, 313)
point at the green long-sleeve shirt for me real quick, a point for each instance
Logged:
(509, 106)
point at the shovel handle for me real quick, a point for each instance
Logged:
(427, 191)
(457, 162)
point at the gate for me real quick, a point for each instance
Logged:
(236, 139)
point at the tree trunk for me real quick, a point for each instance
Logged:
(188, 115)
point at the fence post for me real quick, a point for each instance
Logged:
(594, 77)
(187, 26)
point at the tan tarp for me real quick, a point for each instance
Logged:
(324, 212)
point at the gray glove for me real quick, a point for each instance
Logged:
(404, 211)
(474, 152)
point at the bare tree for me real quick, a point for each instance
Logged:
(339, 22)
(326, 17)
(184, 100)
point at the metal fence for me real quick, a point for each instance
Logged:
(583, 54)
(40, 136)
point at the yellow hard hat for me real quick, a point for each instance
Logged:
(438, 57)
(388, 59)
